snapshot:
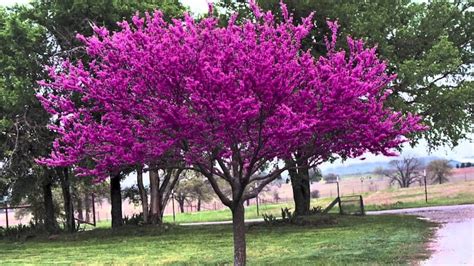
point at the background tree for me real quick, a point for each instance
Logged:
(32, 36)
(439, 171)
(330, 178)
(404, 172)
(193, 187)
(23, 132)
(315, 175)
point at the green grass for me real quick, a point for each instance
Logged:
(369, 239)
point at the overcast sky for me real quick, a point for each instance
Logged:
(463, 151)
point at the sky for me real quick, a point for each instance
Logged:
(464, 151)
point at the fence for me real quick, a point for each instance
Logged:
(352, 205)
(8, 214)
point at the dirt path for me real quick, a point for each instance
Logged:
(454, 240)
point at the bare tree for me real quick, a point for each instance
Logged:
(439, 170)
(403, 172)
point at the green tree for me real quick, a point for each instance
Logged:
(428, 45)
(30, 37)
(193, 187)
(23, 132)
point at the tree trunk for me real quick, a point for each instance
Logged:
(238, 226)
(50, 222)
(80, 209)
(116, 201)
(155, 197)
(143, 195)
(300, 187)
(181, 205)
(68, 207)
(305, 186)
(87, 205)
(199, 204)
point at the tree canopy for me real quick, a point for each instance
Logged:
(428, 45)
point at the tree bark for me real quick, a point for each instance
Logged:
(116, 201)
(143, 195)
(80, 209)
(300, 186)
(50, 222)
(198, 204)
(155, 197)
(238, 226)
(305, 186)
(87, 205)
(68, 206)
(181, 205)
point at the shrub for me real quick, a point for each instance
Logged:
(315, 194)
(135, 219)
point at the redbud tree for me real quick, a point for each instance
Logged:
(227, 101)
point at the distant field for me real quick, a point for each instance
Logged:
(445, 194)
(353, 240)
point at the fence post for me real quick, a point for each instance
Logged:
(172, 202)
(340, 206)
(362, 205)
(93, 209)
(257, 205)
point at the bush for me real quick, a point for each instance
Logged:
(316, 210)
(21, 232)
(315, 194)
(269, 218)
(135, 219)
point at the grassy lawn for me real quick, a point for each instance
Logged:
(369, 239)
